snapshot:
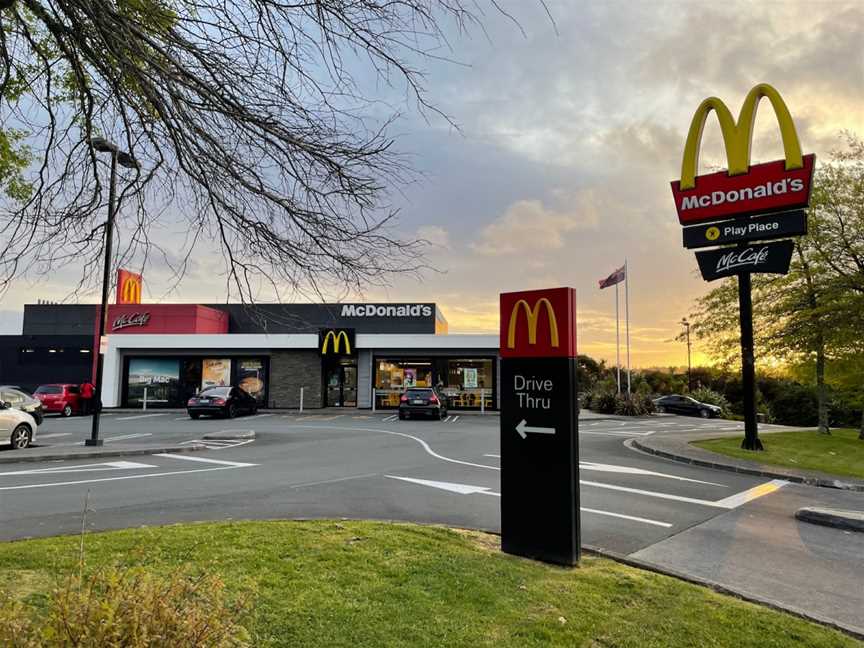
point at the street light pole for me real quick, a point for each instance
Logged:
(686, 326)
(126, 160)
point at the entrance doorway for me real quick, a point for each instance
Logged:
(341, 383)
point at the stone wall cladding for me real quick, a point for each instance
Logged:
(291, 370)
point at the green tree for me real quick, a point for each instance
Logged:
(817, 310)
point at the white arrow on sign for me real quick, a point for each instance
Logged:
(524, 429)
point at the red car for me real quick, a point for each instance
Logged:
(59, 398)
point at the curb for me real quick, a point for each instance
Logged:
(19, 457)
(857, 633)
(821, 482)
(834, 518)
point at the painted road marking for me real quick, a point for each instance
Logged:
(629, 470)
(125, 477)
(124, 437)
(492, 455)
(221, 462)
(139, 416)
(182, 418)
(633, 518)
(214, 444)
(455, 418)
(618, 433)
(260, 415)
(54, 434)
(730, 502)
(390, 418)
(95, 467)
(734, 501)
(333, 481)
(448, 418)
(467, 489)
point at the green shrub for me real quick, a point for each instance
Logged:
(604, 402)
(130, 608)
(633, 405)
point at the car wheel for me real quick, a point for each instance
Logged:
(661, 409)
(232, 411)
(442, 414)
(67, 411)
(704, 413)
(20, 437)
(194, 417)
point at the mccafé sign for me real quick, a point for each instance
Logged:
(336, 341)
(130, 319)
(743, 189)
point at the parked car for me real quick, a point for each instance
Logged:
(227, 402)
(677, 404)
(17, 398)
(17, 428)
(422, 401)
(59, 398)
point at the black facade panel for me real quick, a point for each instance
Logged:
(78, 319)
(29, 361)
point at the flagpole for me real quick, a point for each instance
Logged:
(627, 317)
(617, 340)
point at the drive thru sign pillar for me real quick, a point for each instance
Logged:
(539, 426)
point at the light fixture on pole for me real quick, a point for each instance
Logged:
(686, 326)
(102, 145)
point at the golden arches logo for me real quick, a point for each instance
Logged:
(532, 315)
(738, 136)
(337, 339)
(130, 291)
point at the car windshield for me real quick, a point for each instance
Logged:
(215, 391)
(48, 389)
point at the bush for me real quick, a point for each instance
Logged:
(705, 395)
(633, 405)
(604, 402)
(130, 608)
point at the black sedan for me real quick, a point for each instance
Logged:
(227, 402)
(19, 399)
(422, 401)
(676, 404)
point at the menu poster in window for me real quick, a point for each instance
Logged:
(215, 372)
(159, 376)
(470, 377)
(410, 378)
(250, 377)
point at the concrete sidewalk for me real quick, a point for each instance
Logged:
(678, 448)
(61, 453)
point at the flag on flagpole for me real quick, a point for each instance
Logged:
(615, 278)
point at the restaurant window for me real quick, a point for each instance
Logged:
(392, 377)
(468, 383)
(156, 379)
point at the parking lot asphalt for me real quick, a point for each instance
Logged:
(735, 530)
(359, 465)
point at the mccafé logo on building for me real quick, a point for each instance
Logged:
(336, 341)
(130, 319)
(743, 189)
(128, 287)
(538, 323)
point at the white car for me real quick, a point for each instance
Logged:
(17, 428)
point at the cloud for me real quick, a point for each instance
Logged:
(434, 235)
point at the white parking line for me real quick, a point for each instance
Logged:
(182, 418)
(390, 418)
(260, 416)
(221, 462)
(124, 437)
(95, 467)
(492, 455)
(125, 477)
(455, 418)
(139, 416)
(733, 501)
(448, 418)
(54, 434)
(633, 518)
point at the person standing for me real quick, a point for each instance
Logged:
(85, 393)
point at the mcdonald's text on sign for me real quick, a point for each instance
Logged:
(743, 189)
(336, 342)
(539, 424)
(128, 287)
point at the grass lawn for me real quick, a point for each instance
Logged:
(841, 453)
(359, 584)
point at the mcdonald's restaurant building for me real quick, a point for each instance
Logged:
(328, 355)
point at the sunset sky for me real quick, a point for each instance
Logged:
(570, 134)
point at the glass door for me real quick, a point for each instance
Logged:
(349, 386)
(341, 384)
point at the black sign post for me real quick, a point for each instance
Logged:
(748, 363)
(539, 426)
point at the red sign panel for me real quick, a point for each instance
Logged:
(165, 319)
(765, 188)
(128, 287)
(538, 324)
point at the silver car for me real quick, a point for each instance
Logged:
(17, 428)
